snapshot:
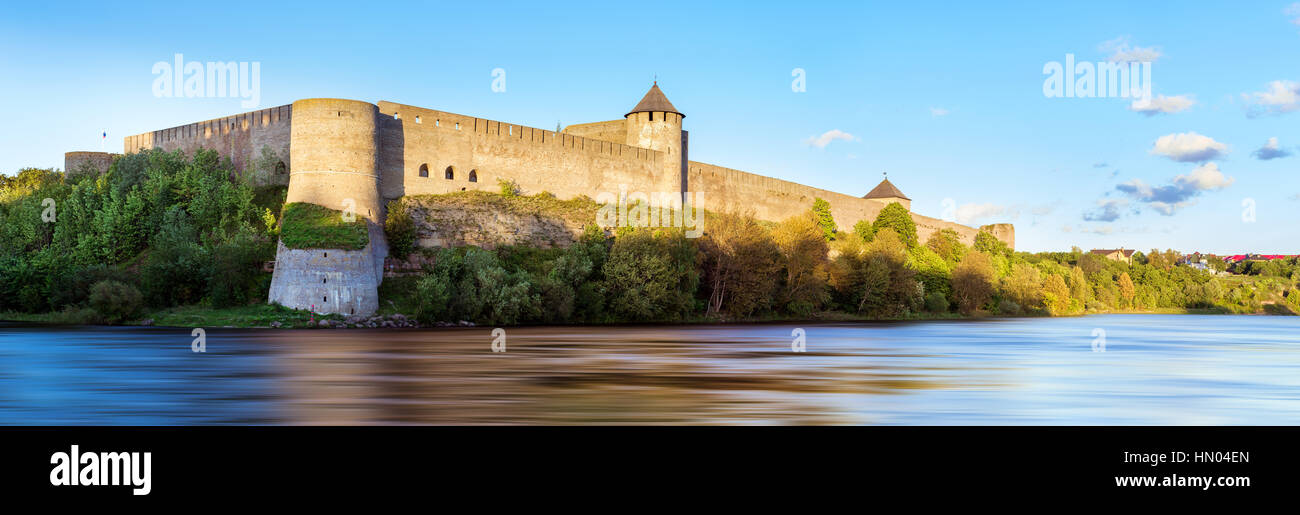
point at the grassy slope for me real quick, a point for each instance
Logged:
(309, 226)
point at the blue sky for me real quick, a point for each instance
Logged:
(946, 98)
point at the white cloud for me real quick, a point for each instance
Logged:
(970, 213)
(1180, 193)
(1108, 210)
(1188, 147)
(827, 137)
(1271, 150)
(1283, 96)
(1162, 104)
(1204, 178)
(1123, 52)
(1293, 10)
(938, 111)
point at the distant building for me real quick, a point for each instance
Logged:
(1120, 254)
(1257, 257)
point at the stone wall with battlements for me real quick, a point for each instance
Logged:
(240, 137)
(81, 163)
(428, 151)
(774, 200)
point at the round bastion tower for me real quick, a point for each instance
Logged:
(333, 148)
(655, 124)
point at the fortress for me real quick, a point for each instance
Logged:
(348, 154)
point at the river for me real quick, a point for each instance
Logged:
(1093, 370)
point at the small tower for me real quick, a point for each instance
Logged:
(887, 193)
(655, 124)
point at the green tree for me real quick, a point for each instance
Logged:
(989, 244)
(972, 282)
(1024, 286)
(804, 259)
(896, 217)
(822, 210)
(864, 231)
(947, 244)
(1126, 288)
(1056, 295)
(651, 275)
(1079, 288)
(115, 301)
(399, 228)
(739, 259)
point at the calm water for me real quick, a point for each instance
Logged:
(1156, 369)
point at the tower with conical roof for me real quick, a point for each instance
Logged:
(887, 193)
(657, 125)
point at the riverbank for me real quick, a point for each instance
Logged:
(279, 317)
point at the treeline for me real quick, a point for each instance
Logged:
(805, 266)
(158, 229)
(161, 230)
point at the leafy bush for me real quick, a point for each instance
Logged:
(178, 267)
(115, 301)
(308, 226)
(936, 303)
(73, 289)
(651, 275)
(508, 187)
(399, 228)
(473, 286)
(237, 276)
(1008, 307)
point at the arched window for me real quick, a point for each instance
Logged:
(424, 170)
(473, 176)
(280, 169)
(450, 174)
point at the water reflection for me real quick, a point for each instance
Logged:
(1174, 369)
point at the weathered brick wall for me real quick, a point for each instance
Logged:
(537, 159)
(326, 280)
(613, 131)
(76, 162)
(775, 200)
(241, 137)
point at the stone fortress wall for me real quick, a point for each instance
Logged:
(348, 154)
(334, 148)
(775, 200)
(75, 163)
(421, 148)
(240, 137)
